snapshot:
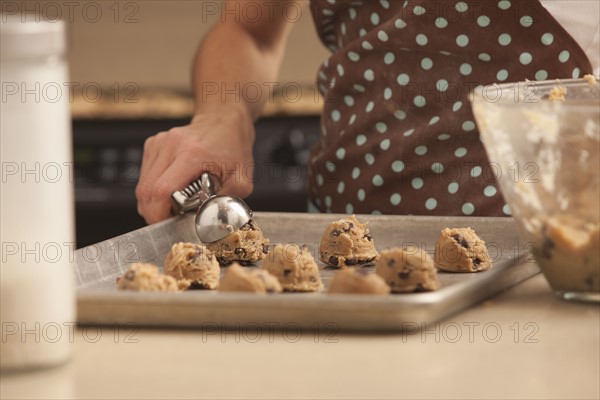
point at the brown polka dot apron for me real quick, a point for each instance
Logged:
(397, 132)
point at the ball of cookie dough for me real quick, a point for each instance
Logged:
(246, 246)
(461, 250)
(357, 281)
(193, 265)
(347, 242)
(294, 267)
(146, 278)
(255, 280)
(407, 270)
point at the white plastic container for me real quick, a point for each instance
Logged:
(36, 197)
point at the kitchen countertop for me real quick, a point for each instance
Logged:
(523, 343)
(157, 103)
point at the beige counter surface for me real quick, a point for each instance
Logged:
(291, 100)
(524, 343)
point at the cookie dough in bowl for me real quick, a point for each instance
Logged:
(253, 280)
(193, 265)
(245, 246)
(567, 249)
(143, 277)
(407, 270)
(461, 250)
(294, 267)
(357, 281)
(347, 242)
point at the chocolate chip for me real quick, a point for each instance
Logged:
(476, 261)
(391, 262)
(223, 261)
(464, 243)
(197, 286)
(404, 275)
(420, 288)
(129, 275)
(350, 226)
(286, 272)
(368, 237)
(240, 252)
(265, 248)
(547, 246)
(457, 238)
(368, 260)
(333, 260)
(351, 261)
(336, 233)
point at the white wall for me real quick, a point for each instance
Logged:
(156, 48)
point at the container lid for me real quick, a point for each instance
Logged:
(30, 38)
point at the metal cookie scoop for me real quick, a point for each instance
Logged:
(217, 216)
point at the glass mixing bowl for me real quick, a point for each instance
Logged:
(543, 140)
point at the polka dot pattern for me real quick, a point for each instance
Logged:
(398, 134)
(385, 144)
(461, 6)
(420, 101)
(437, 167)
(465, 69)
(421, 39)
(547, 39)
(421, 150)
(441, 85)
(431, 203)
(417, 183)
(525, 58)
(418, 10)
(426, 63)
(462, 40)
(502, 75)
(397, 166)
(441, 22)
(468, 208)
(399, 23)
(381, 127)
(389, 58)
(377, 180)
(403, 79)
(504, 39)
(453, 188)
(483, 21)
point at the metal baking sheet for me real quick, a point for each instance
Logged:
(98, 266)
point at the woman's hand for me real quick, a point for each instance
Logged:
(220, 144)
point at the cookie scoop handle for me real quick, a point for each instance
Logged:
(193, 195)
